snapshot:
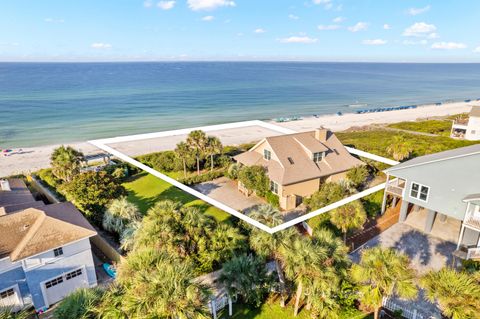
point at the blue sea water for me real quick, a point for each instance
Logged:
(49, 103)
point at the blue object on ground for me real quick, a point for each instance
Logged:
(110, 270)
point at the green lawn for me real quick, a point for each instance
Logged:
(438, 127)
(270, 310)
(145, 190)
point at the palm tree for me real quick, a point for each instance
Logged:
(214, 147)
(197, 141)
(383, 272)
(157, 285)
(400, 148)
(221, 244)
(269, 245)
(183, 151)
(324, 285)
(245, 276)
(66, 163)
(457, 293)
(348, 216)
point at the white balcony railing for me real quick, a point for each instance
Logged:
(472, 216)
(395, 186)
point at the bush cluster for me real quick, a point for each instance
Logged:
(205, 177)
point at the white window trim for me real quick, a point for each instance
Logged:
(272, 190)
(419, 191)
(265, 151)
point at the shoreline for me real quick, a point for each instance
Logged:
(34, 158)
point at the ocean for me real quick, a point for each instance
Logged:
(51, 103)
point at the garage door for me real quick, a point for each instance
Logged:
(10, 298)
(59, 287)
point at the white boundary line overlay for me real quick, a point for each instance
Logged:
(102, 144)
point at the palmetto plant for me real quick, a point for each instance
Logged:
(119, 214)
(269, 245)
(400, 148)
(79, 305)
(157, 285)
(381, 273)
(6, 313)
(197, 141)
(349, 216)
(66, 163)
(127, 237)
(457, 293)
(183, 151)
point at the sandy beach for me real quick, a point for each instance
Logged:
(31, 159)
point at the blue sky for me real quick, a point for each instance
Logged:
(317, 30)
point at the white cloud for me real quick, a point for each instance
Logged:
(360, 26)
(339, 19)
(329, 27)
(374, 42)
(417, 11)
(166, 5)
(293, 17)
(51, 20)
(476, 50)
(208, 18)
(196, 5)
(387, 26)
(420, 29)
(259, 30)
(304, 39)
(147, 3)
(433, 35)
(101, 45)
(448, 45)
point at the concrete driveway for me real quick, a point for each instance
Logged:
(225, 191)
(426, 253)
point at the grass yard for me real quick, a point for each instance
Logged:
(145, 190)
(271, 310)
(437, 127)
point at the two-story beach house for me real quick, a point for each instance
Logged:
(45, 250)
(445, 187)
(298, 163)
(468, 128)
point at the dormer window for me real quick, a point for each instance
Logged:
(317, 157)
(267, 154)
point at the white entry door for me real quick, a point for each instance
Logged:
(10, 298)
(59, 287)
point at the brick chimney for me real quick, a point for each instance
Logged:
(321, 134)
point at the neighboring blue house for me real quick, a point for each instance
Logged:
(447, 185)
(45, 251)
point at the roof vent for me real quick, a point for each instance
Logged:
(291, 160)
(26, 226)
(4, 185)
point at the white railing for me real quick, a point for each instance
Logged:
(408, 313)
(473, 253)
